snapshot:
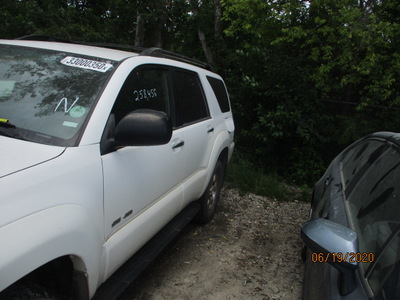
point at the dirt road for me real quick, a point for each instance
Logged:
(251, 250)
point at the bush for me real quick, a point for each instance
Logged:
(247, 177)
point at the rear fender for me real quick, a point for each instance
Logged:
(222, 143)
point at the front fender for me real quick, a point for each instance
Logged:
(36, 239)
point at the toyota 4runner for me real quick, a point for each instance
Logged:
(105, 155)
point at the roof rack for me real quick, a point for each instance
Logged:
(159, 52)
(42, 37)
(46, 38)
(154, 51)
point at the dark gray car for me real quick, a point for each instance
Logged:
(353, 235)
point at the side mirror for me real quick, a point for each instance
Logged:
(338, 245)
(143, 127)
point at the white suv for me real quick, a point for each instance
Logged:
(103, 152)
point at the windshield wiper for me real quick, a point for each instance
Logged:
(6, 123)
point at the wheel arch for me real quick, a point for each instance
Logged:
(59, 239)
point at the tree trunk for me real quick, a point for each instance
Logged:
(159, 30)
(217, 20)
(204, 45)
(201, 35)
(139, 35)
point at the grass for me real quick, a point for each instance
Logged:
(250, 178)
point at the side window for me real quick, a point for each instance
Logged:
(357, 161)
(220, 92)
(383, 275)
(374, 207)
(146, 87)
(189, 98)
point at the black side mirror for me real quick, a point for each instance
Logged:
(143, 127)
(337, 245)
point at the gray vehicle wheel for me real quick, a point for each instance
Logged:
(210, 198)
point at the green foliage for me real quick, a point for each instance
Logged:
(348, 44)
(306, 78)
(250, 178)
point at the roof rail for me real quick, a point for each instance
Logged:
(46, 38)
(159, 52)
(42, 37)
(154, 51)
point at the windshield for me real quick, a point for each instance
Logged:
(47, 96)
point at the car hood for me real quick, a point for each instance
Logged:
(16, 155)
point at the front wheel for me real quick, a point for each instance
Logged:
(28, 291)
(209, 199)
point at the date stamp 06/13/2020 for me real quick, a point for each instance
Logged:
(338, 257)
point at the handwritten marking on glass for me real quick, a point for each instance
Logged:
(144, 94)
(65, 100)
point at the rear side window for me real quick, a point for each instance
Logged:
(189, 98)
(220, 92)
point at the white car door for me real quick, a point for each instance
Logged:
(136, 178)
(193, 116)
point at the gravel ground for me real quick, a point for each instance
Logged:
(250, 250)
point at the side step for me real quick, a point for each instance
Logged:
(127, 273)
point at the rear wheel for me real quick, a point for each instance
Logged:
(210, 198)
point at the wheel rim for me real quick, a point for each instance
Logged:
(213, 192)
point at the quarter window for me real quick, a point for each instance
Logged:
(220, 92)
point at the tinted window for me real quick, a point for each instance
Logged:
(391, 286)
(220, 92)
(189, 98)
(374, 213)
(380, 275)
(357, 161)
(48, 95)
(146, 87)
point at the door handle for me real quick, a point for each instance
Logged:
(211, 129)
(178, 145)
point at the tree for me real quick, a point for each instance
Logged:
(305, 77)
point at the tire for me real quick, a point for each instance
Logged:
(28, 291)
(210, 198)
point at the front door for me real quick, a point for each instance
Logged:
(135, 178)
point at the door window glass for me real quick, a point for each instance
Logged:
(146, 87)
(374, 208)
(189, 98)
(380, 273)
(357, 160)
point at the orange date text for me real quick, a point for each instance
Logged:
(338, 257)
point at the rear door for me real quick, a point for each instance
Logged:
(193, 119)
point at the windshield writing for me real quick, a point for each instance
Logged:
(48, 95)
